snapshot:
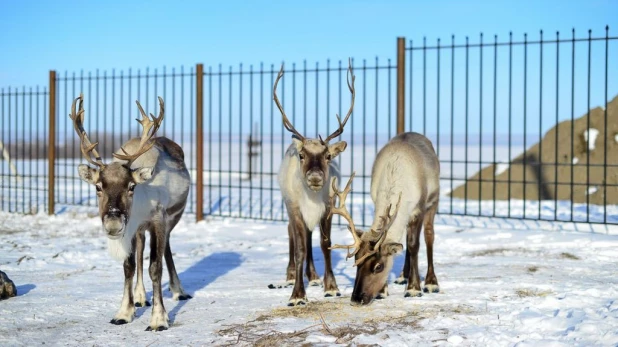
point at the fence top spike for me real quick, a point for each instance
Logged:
(606, 27)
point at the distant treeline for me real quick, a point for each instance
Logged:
(38, 148)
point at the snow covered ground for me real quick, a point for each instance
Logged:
(498, 287)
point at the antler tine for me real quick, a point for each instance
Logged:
(286, 122)
(343, 211)
(339, 130)
(85, 145)
(387, 221)
(148, 123)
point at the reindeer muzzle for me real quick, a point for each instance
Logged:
(315, 180)
(114, 225)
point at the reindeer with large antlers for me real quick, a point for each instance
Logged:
(304, 177)
(406, 173)
(144, 188)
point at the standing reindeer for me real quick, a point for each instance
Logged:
(144, 188)
(406, 173)
(304, 179)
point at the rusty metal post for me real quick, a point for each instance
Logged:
(401, 84)
(51, 149)
(199, 150)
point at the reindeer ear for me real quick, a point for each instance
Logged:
(391, 248)
(297, 143)
(88, 174)
(142, 174)
(336, 148)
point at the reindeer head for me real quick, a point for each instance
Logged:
(373, 256)
(314, 155)
(115, 182)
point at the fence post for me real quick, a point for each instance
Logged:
(51, 149)
(199, 166)
(401, 84)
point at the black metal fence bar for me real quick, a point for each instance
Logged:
(513, 122)
(242, 122)
(524, 151)
(23, 148)
(109, 102)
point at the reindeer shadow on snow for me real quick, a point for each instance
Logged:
(199, 276)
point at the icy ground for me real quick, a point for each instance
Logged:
(498, 287)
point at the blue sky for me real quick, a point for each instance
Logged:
(74, 35)
(87, 35)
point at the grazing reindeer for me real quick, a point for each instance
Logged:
(144, 188)
(303, 179)
(406, 172)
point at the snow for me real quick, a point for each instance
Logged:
(575, 160)
(499, 286)
(501, 167)
(590, 136)
(592, 190)
(616, 138)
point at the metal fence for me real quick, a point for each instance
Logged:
(486, 106)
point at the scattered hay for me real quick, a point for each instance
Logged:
(533, 269)
(323, 317)
(567, 255)
(526, 293)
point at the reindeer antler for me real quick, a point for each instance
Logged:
(286, 122)
(387, 221)
(147, 124)
(339, 130)
(343, 211)
(85, 145)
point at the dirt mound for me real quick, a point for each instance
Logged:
(549, 170)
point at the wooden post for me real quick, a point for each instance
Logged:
(401, 84)
(51, 148)
(199, 150)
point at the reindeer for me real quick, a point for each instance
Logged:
(145, 187)
(303, 179)
(406, 172)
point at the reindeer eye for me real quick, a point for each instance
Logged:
(378, 268)
(99, 189)
(301, 156)
(131, 187)
(328, 157)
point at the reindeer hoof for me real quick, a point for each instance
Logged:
(160, 328)
(331, 293)
(401, 280)
(413, 293)
(431, 288)
(118, 321)
(279, 286)
(297, 302)
(184, 297)
(315, 283)
(139, 304)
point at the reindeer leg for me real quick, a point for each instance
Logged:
(299, 297)
(403, 279)
(312, 275)
(414, 280)
(127, 309)
(158, 238)
(175, 285)
(140, 292)
(330, 285)
(431, 281)
(291, 271)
